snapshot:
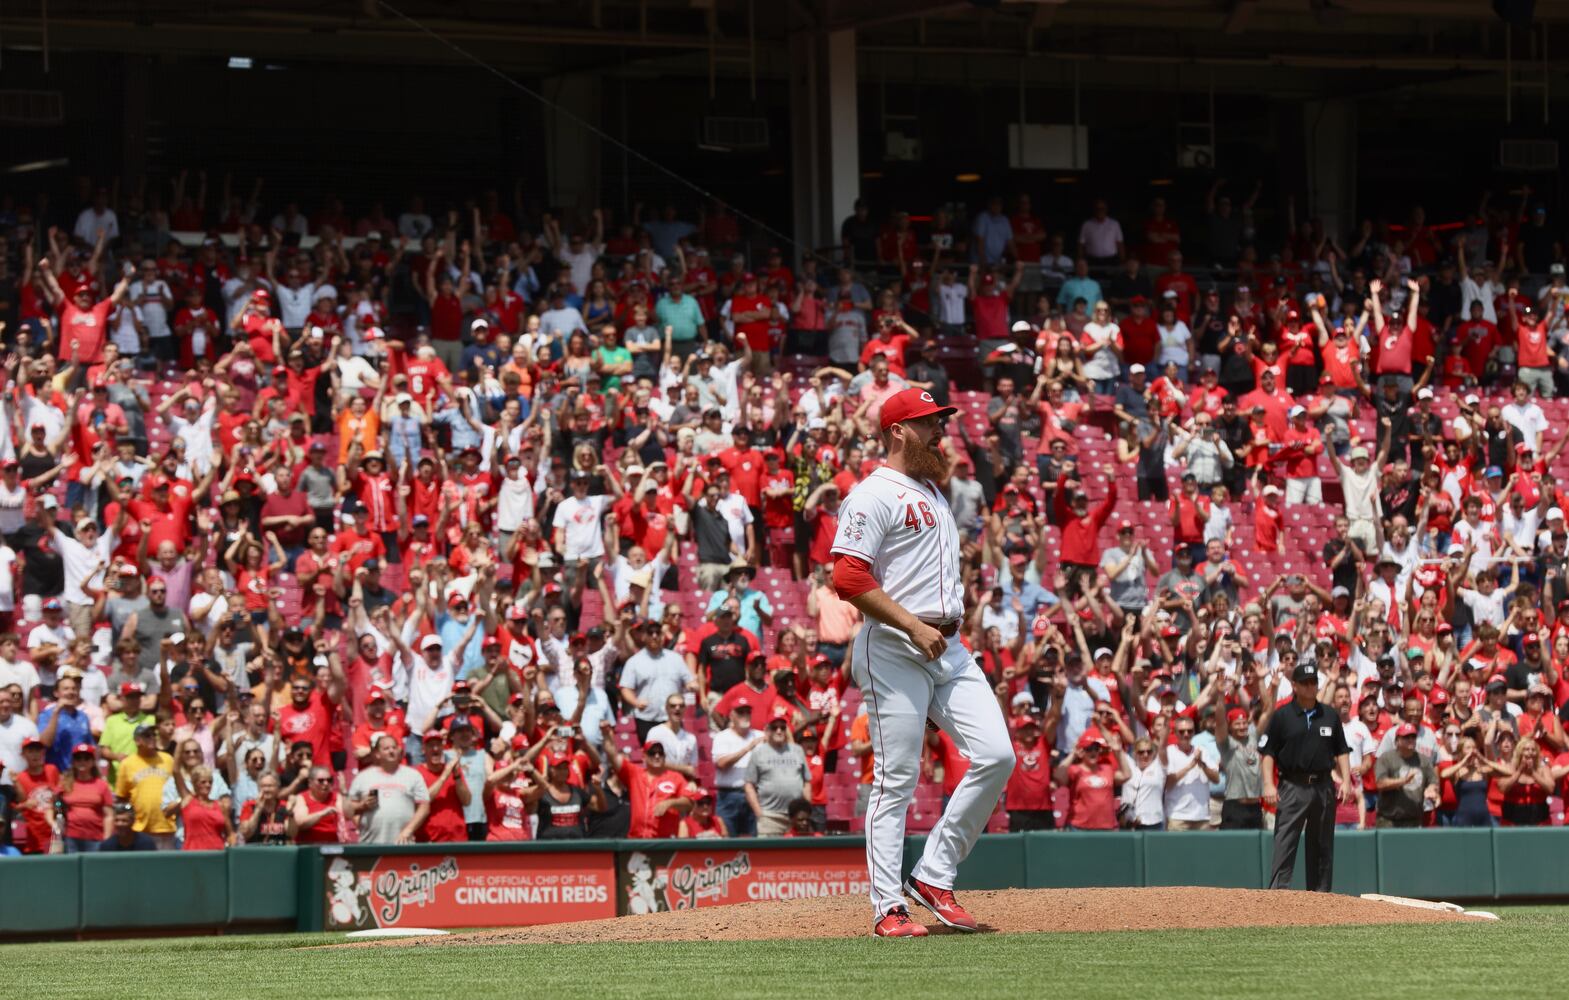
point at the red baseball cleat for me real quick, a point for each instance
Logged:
(897, 923)
(941, 903)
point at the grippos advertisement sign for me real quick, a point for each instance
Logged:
(718, 873)
(467, 890)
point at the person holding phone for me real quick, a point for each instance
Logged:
(389, 799)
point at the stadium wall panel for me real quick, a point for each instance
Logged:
(251, 887)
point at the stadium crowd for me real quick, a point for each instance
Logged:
(488, 524)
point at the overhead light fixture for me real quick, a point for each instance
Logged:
(1066, 179)
(36, 165)
(871, 175)
(240, 62)
(967, 178)
(1161, 182)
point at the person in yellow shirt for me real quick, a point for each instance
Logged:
(140, 781)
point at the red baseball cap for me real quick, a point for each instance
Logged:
(1405, 729)
(911, 404)
(555, 757)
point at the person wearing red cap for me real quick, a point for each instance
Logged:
(897, 554)
(449, 791)
(83, 323)
(1236, 737)
(561, 805)
(657, 795)
(1407, 782)
(37, 785)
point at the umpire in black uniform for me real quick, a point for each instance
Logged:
(1302, 747)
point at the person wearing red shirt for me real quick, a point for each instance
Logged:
(1184, 285)
(1091, 775)
(1268, 522)
(1303, 443)
(262, 332)
(380, 714)
(1275, 401)
(197, 328)
(989, 302)
(1393, 337)
(425, 371)
(751, 311)
(1029, 233)
(777, 272)
(897, 241)
(1476, 339)
(890, 338)
(1080, 528)
(356, 542)
(166, 516)
(372, 484)
(449, 794)
(942, 751)
(1208, 397)
(1534, 355)
(1140, 335)
(1296, 353)
(1188, 515)
(37, 785)
(745, 465)
(778, 491)
(308, 716)
(83, 323)
(658, 796)
(1028, 796)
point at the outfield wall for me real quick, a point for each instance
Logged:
(485, 885)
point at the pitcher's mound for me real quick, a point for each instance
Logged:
(1013, 911)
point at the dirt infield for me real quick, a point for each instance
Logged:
(1013, 911)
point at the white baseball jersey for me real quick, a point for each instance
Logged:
(905, 530)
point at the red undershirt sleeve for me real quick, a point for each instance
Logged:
(853, 577)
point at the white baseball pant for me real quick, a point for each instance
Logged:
(902, 690)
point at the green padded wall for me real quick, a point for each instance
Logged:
(1082, 859)
(1223, 858)
(1531, 862)
(263, 884)
(1436, 864)
(155, 889)
(41, 895)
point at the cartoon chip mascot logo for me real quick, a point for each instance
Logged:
(345, 895)
(643, 885)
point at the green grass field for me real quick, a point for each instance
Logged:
(1503, 959)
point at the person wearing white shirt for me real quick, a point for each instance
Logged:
(738, 517)
(294, 302)
(192, 423)
(578, 254)
(679, 743)
(1100, 237)
(951, 295)
(1526, 416)
(15, 729)
(1144, 793)
(1519, 526)
(1189, 773)
(97, 221)
(85, 558)
(514, 498)
(578, 533)
(154, 301)
(431, 674)
(1488, 601)
(732, 752)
